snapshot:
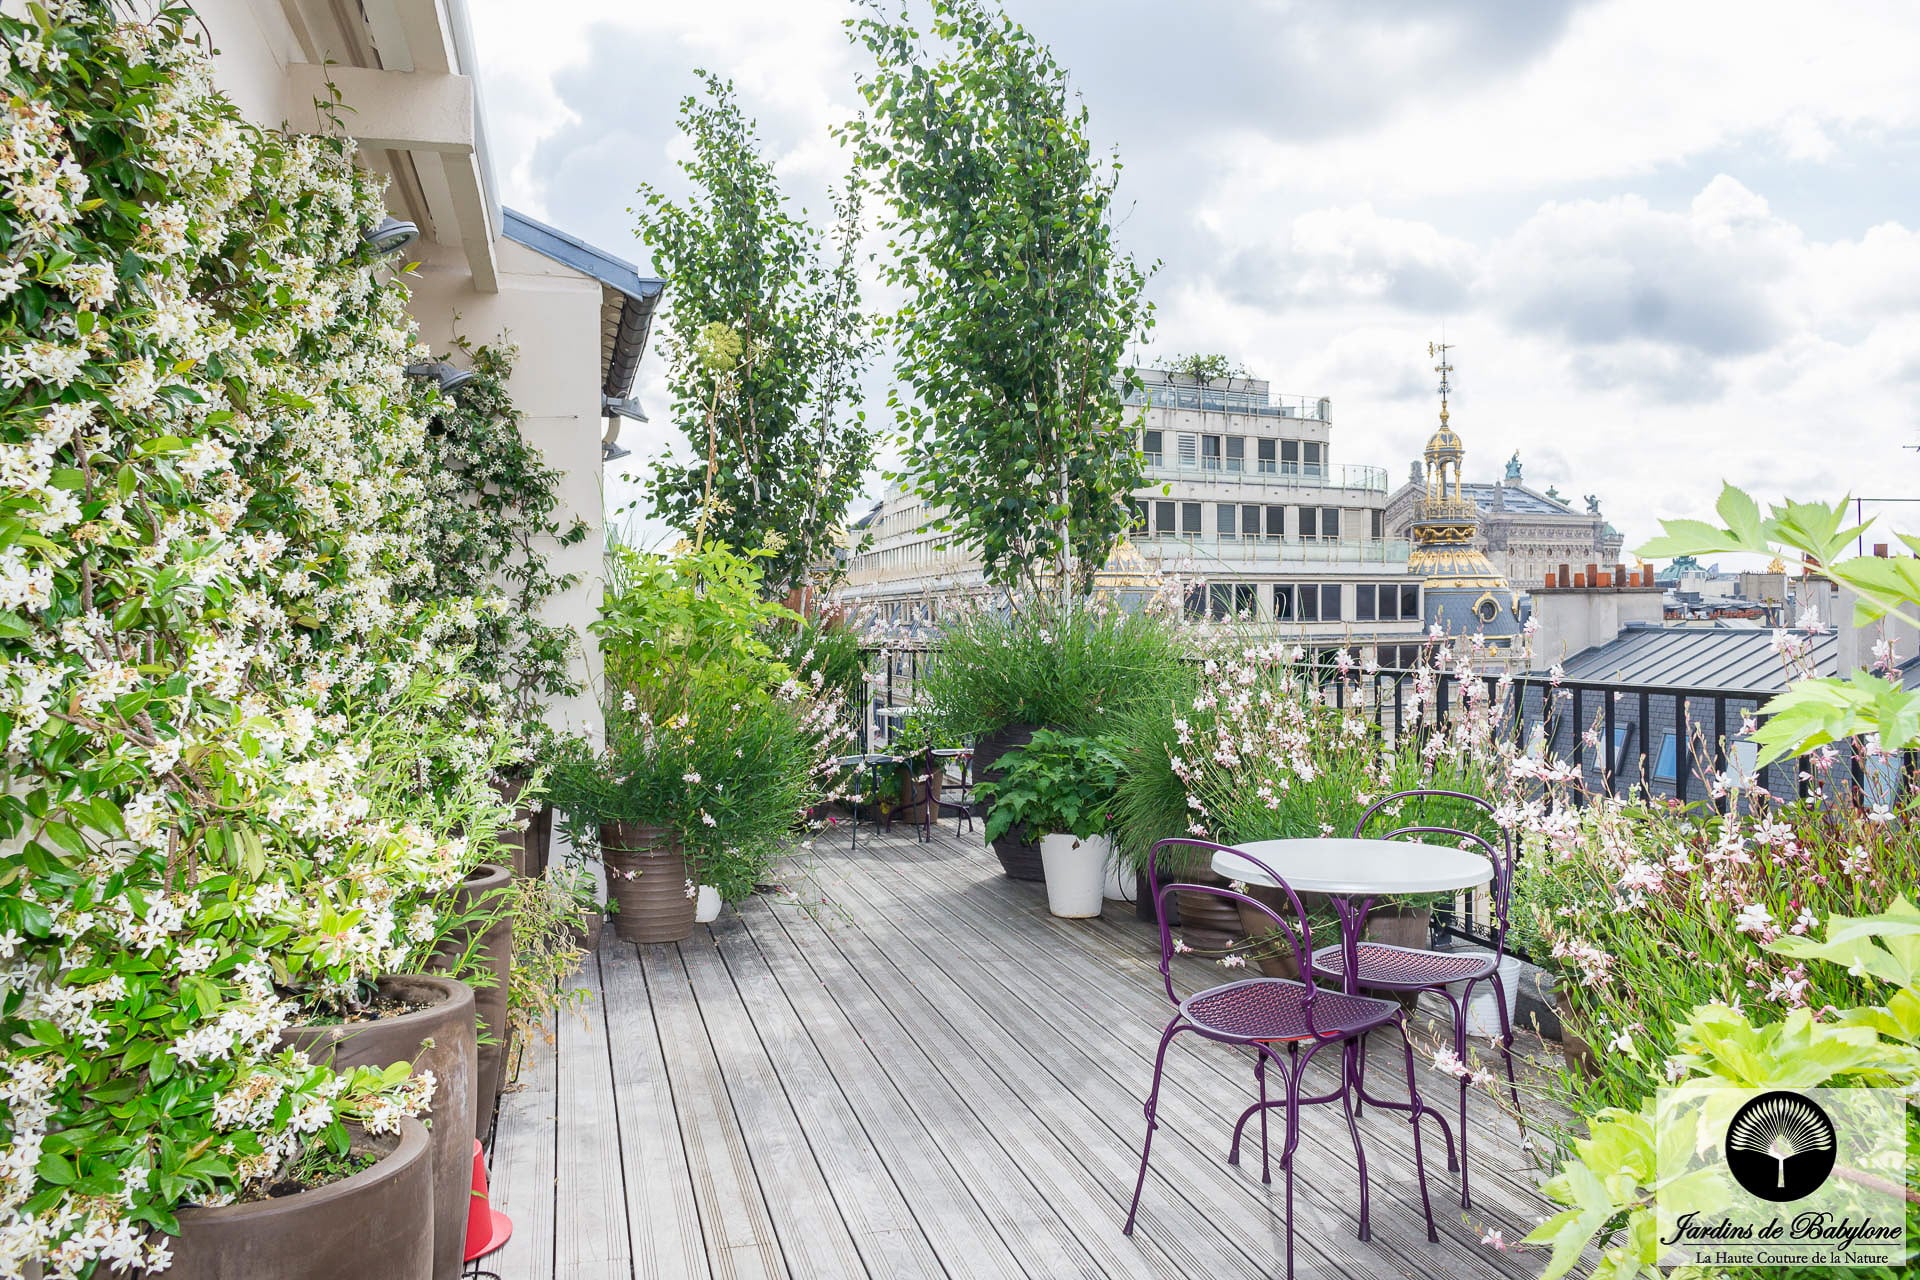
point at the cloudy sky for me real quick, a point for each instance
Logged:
(1673, 242)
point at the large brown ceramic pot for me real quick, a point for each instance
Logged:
(491, 942)
(437, 1035)
(1019, 854)
(375, 1225)
(647, 876)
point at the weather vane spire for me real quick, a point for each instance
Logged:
(1443, 369)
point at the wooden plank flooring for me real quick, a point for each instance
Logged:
(910, 1069)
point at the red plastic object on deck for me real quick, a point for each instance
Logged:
(487, 1227)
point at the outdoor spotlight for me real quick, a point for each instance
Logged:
(391, 236)
(610, 452)
(622, 407)
(447, 376)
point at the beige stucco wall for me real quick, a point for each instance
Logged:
(552, 313)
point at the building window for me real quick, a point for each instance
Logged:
(1283, 601)
(1276, 522)
(1223, 519)
(1663, 765)
(1330, 523)
(1363, 602)
(1330, 602)
(1210, 453)
(1187, 447)
(1410, 601)
(1311, 452)
(1268, 465)
(1163, 518)
(1308, 604)
(1307, 521)
(1290, 457)
(1153, 444)
(1139, 514)
(1249, 521)
(1377, 524)
(1190, 518)
(1197, 601)
(1227, 600)
(1236, 453)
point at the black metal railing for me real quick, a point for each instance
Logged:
(1683, 743)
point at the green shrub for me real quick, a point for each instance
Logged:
(1057, 783)
(1079, 667)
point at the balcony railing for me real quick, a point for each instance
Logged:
(1285, 475)
(1220, 400)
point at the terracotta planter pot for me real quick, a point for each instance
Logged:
(492, 946)
(1019, 854)
(376, 1225)
(437, 1037)
(917, 798)
(647, 875)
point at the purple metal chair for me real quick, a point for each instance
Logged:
(1382, 967)
(1263, 1013)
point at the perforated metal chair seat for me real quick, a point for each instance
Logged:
(1403, 968)
(1274, 1009)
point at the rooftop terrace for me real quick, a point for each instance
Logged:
(922, 1073)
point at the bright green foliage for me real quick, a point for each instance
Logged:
(665, 620)
(765, 343)
(1610, 1184)
(493, 498)
(1057, 784)
(1817, 711)
(1018, 308)
(708, 731)
(1077, 666)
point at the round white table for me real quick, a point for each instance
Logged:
(1344, 867)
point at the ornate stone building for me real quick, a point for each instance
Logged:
(1526, 534)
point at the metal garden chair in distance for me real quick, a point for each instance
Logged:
(1263, 1014)
(1382, 967)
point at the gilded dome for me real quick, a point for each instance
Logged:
(1445, 446)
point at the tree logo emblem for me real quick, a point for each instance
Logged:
(1781, 1146)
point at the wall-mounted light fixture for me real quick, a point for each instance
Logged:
(390, 236)
(611, 452)
(622, 407)
(448, 376)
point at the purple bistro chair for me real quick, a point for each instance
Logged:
(1381, 967)
(1263, 1013)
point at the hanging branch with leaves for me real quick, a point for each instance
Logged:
(1018, 306)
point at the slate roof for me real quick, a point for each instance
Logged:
(1518, 501)
(1738, 659)
(627, 315)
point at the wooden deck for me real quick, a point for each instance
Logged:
(922, 1073)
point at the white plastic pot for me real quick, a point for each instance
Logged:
(1483, 1017)
(1120, 877)
(1076, 873)
(707, 908)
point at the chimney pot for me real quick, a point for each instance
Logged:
(1619, 575)
(1564, 580)
(1880, 550)
(1579, 580)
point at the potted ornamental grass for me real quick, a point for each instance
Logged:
(1079, 666)
(1060, 787)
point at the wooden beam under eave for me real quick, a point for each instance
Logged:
(392, 110)
(468, 192)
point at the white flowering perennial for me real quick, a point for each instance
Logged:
(211, 496)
